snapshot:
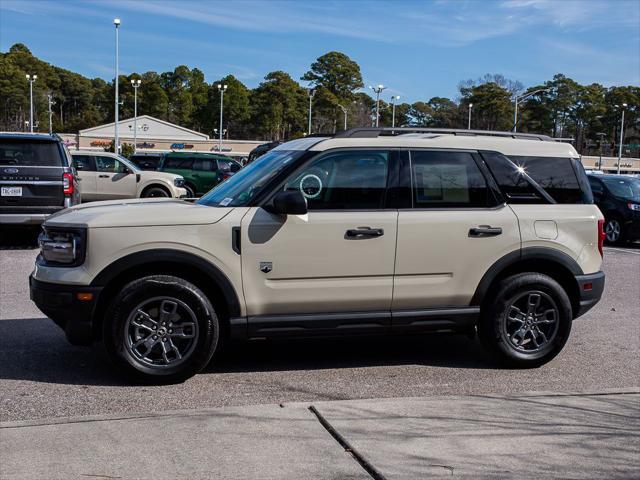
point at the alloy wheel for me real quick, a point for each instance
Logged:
(612, 230)
(161, 332)
(531, 322)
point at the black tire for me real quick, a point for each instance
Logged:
(191, 191)
(614, 231)
(155, 192)
(499, 330)
(193, 313)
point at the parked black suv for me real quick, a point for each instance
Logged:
(618, 197)
(37, 178)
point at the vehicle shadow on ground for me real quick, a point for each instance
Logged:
(34, 349)
(19, 238)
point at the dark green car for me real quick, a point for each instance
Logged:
(201, 171)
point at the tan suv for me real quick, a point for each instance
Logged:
(368, 231)
(107, 176)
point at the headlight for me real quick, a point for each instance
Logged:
(178, 182)
(634, 206)
(62, 247)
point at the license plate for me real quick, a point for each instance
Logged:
(11, 192)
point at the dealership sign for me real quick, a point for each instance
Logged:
(145, 145)
(180, 146)
(216, 148)
(101, 143)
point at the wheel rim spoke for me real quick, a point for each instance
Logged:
(184, 330)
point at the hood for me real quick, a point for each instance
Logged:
(155, 175)
(137, 213)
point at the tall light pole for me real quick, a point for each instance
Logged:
(50, 112)
(135, 83)
(378, 91)
(601, 135)
(469, 122)
(518, 99)
(31, 79)
(393, 109)
(344, 111)
(312, 92)
(221, 89)
(116, 139)
(624, 105)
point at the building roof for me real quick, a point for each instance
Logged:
(149, 128)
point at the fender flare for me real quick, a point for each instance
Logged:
(178, 257)
(528, 253)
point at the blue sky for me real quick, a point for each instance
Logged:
(419, 49)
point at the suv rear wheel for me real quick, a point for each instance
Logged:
(160, 329)
(528, 322)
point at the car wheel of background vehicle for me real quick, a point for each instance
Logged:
(155, 192)
(191, 192)
(528, 321)
(160, 329)
(614, 232)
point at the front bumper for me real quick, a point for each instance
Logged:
(61, 304)
(590, 287)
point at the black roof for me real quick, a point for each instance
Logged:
(42, 137)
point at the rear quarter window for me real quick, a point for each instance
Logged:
(556, 175)
(31, 153)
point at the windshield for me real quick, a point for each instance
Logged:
(248, 182)
(627, 188)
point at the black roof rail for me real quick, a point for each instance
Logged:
(373, 132)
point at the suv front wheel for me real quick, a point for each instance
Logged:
(160, 329)
(528, 322)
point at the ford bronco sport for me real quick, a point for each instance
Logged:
(368, 231)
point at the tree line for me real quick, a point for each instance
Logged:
(277, 108)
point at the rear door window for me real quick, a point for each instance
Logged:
(30, 153)
(555, 175)
(204, 164)
(179, 163)
(84, 163)
(448, 180)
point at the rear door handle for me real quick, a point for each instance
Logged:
(485, 231)
(363, 232)
(103, 176)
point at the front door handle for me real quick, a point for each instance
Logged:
(363, 232)
(103, 176)
(485, 231)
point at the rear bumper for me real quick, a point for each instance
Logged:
(590, 287)
(60, 303)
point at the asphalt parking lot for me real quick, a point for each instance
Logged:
(42, 376)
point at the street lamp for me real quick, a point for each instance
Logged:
(601, 135)
(519, 99)
(135, 84)
(378, 91)
(116, 139)
(344, 111)
(312, 92)
(50, 102)
(221, 89)
(469, 122)
(393, 109)
(624, 105)
(31, 79)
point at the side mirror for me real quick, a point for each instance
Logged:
(289, 203)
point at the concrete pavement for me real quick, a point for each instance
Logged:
(593, 435)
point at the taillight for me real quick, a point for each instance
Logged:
(601, 236)
(67, 183)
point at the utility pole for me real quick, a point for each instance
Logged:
(221, 89)
(378, 90)
(518, 99)
(50, 113)
(311, 94)
(135, 84)
(344, 111)
(116, 139)
(624, 105)
(31, 79)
